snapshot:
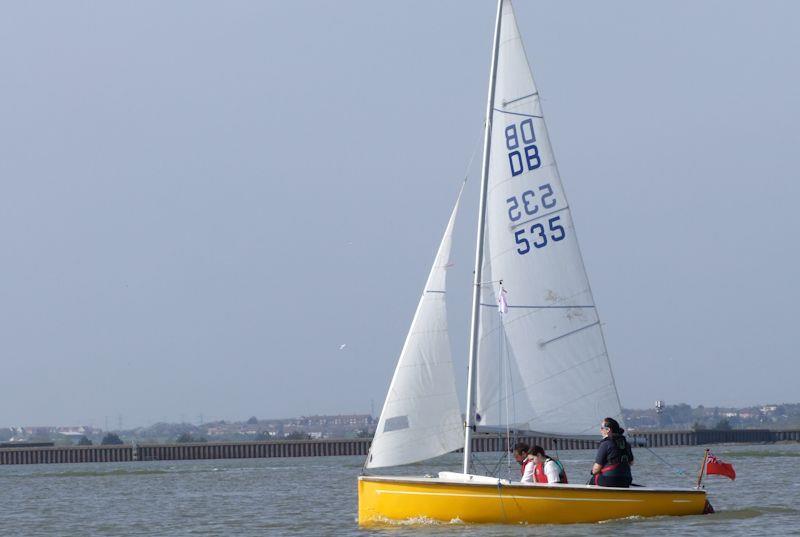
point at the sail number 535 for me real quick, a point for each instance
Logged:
(538, 235)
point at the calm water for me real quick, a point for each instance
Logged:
(318, 497)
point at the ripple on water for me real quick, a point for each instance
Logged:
(762, 454)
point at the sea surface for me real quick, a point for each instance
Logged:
(317, 496)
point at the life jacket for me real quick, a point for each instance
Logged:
(540, 477)
(538, 473)
(613, 475)
(620, 453)
(617, 470)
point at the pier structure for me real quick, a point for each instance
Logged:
(355, 446)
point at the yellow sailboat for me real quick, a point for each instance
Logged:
(497, 501)
(537, 357)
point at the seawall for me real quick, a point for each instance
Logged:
(333, 447)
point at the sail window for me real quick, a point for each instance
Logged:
(395, 424)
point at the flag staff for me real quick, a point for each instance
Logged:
(702, 469)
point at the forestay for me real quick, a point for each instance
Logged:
(543, 366)
(421, 417)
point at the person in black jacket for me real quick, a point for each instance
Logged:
(612, 465)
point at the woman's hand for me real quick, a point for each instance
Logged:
(596, 469)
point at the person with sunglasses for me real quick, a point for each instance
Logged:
(612, 465)
(523, 455)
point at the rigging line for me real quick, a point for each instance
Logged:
(366, 460)
(509, 447)
(475, 149)
(495, 472)
(678, 470)
(509, 385)
(502, 505)
(499, 465)
(506, 377)
(591, 428)
(476, 459)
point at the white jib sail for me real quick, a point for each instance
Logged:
(421, 417)
(543, 366)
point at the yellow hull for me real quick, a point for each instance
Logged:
(385, 499)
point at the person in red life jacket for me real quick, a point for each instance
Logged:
(547, 469)
(612, 465)
(523, 456)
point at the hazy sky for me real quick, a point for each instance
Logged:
(201, 201)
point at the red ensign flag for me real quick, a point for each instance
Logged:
(716, 466)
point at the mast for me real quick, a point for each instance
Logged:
(476, 290)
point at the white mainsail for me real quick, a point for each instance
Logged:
(543, 366)
(421, 417)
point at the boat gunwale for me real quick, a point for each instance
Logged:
(516, 485)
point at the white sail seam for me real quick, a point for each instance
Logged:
(437, 429)
(568, 403)
(534, 311)
(512, 37)
(432, 396)
(525, 387)
(501, 182)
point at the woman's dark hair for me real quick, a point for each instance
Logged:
(538, 450)
(613, 425)
(521, 447)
